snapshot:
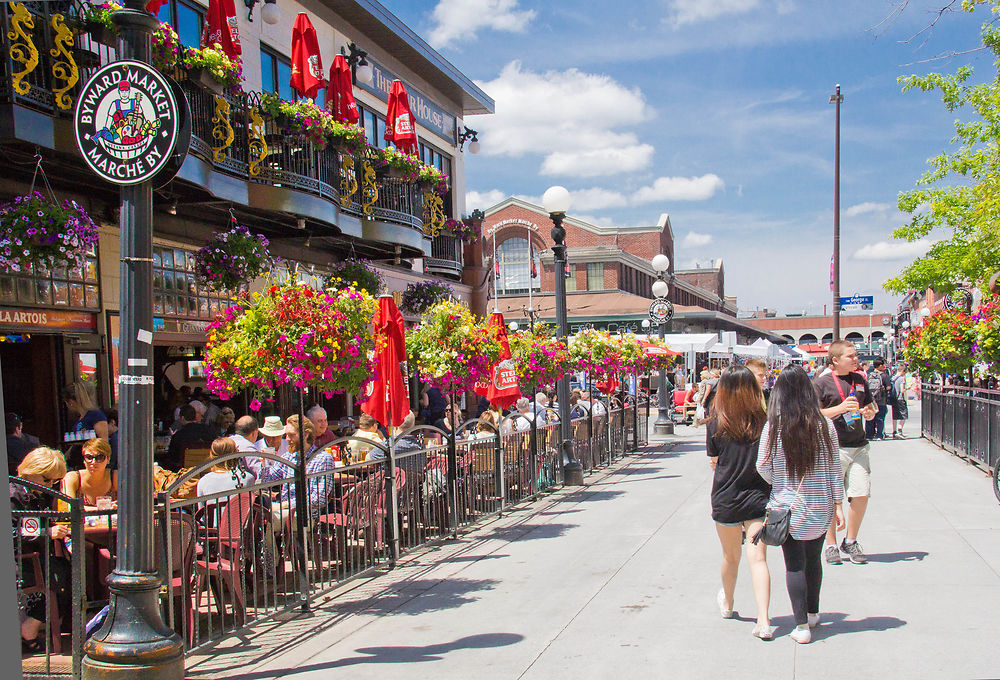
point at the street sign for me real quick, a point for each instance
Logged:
(127, 122)
(661, 310)
(863, 301)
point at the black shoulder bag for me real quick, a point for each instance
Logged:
(777, 522)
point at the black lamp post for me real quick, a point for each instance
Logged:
(556, 201)
(134, 642)
(661, 289)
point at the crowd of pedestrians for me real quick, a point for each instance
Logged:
(798, 440)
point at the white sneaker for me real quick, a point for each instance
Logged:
(721, 599)
(802, 635)
(813, 620)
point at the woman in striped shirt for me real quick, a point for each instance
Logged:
(798, 456)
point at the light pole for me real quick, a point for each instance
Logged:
(661, 289)
(836, 98)
(556, 201)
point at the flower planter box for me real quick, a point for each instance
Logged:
(389, 172)
(204, 80)
(100, 33)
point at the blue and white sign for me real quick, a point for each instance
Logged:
(863, 301)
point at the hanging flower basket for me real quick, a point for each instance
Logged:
(233, 259)
(421, 296)
(37, 231)
(987, 345)
(452, 349)
(356, 273)
(597, 353)
(945, 343)
(292, 335)
(466, 232)
(96, 21)
(539, 359)
(306, 122)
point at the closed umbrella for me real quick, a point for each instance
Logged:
(221, 28)
(653, 350)
(339, 95)
(307, 67)
(500, 389)
(399, 127)
(388, 398)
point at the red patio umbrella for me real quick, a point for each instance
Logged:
(221, 27)
(307, 67)
(399, 127)
(501, 389)
(388, 397)
(339, 94)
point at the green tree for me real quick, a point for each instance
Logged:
(960, 192)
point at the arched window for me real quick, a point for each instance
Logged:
(515, 270)
(807, 339)
(789, 338)
(828, 338)
(854, 337)
(878, 335)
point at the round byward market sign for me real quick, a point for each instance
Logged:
(661, 310)
(127, 122)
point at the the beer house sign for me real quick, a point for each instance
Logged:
(127, 122)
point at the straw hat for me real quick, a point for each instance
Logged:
(272, 427)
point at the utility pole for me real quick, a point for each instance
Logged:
(836, 99)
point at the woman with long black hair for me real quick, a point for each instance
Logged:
(798, 456)
(739, 494)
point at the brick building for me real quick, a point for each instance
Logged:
(609, 273)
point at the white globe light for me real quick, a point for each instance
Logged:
(556, 200)
(661, 263)
(925, 312)
(906, 324)
(512, 325)
(271, 14)
(645, 323)
(364, 73)
(660, 288)
(474, 147)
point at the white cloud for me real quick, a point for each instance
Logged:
(580, 122)
(696, 11)
(867, 207)
(679, 189)
(483, 199)
(597, 199)
(457, 20)
(596, 162)
(695, 240)
(894, 250)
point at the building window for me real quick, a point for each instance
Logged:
(595, 276)
(374, 125)
(276, 74)
(187, 18)
(75, 288)
(175, 291)
(515, 268)
(571, 281)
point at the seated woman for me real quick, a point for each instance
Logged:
(226, 475)
(95, 480)
(46, 467)
(486, 428)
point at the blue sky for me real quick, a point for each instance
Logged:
(716, 112)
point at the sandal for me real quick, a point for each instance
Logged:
(721, 599)
(763, 632)
(35, 646)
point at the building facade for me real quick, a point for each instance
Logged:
(314, 204)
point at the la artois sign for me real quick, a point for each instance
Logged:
(127, 122)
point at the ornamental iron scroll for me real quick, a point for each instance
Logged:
(434, 216)
(258, 147)
(369, 190)
(22, 49)
(348, 180)
(223, 129)
(64, 69)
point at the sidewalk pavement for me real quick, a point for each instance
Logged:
(619, 578)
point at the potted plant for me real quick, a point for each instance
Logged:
(211, 68)
(233, 259)
(420, 296)
(945, 343)
(466, 232)
(37, 231)
(987, 341)
(356, 273)
(395, 164)
(539, 358)
(292, 335)
(452, 349)
(96, 20)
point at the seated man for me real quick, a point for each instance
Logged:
(359, 451)
(18, 443)
(192, 434)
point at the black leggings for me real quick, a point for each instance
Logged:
(803, 575)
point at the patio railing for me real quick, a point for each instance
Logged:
(963, 420)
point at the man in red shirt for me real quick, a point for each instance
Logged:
(844, 397)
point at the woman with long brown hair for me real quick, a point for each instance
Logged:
(739, 494)
(799, 456)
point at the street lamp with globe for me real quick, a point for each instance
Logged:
(661, 289)
(556, 201)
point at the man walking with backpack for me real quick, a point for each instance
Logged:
(879, 385)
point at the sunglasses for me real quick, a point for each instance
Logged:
(95, 459)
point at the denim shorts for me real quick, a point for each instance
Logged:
(739, 524)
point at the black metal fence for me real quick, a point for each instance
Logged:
(962, 420)
(231, 550)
